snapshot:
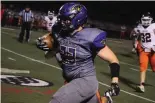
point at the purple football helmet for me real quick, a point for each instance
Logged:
(72, 15)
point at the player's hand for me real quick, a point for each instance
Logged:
(42, 45)
(114, 90)
(107, 98)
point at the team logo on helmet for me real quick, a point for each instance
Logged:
(76, 7)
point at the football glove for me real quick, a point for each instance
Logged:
(108, 96)
(114, 90)
(42, 45)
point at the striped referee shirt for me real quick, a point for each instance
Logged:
(27, 16)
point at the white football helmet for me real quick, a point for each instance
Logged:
(50, 14)
(146, 19)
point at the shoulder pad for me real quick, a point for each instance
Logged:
(91, 33)
(46, 18)
(153, 24)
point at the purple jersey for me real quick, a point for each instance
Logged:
(79, 50)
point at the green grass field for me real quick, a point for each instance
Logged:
(18, 56)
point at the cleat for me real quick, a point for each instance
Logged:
(140, 88)
(133, 50)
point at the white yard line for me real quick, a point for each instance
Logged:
(10, 34)
(6, 70)
(147, 99)
(138, 70)
(134, 69)
(7, 28)
(116, 41)
(131, 93)
(6, 33)
(14, 35)
(11, 59)
(133, 66)
(120, 61)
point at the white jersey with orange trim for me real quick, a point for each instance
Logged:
(147, 36)
(50, 23)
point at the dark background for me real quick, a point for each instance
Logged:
(119, 12)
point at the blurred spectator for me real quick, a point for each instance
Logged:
(122, 33)
(39, 24)
(10, 18)
(2, 11)
(36, 23)
(3, 15)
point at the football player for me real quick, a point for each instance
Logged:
(77, 47)
(146, 47)
(134, 35)
(50, 20)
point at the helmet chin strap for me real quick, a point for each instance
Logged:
(77, 30)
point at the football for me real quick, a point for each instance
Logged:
(47, 38)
